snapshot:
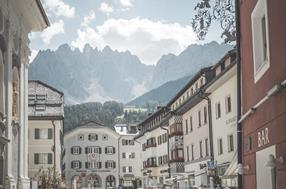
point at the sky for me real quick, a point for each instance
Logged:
(148, 29)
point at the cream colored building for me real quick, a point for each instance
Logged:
(46, 120)
(153, 137)
(18, 18)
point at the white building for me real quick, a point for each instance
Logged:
(17, 19)
(223, 96)
(46, 120)
(129, 156)
(91, 157)
(153, 138)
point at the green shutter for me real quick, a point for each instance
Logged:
(37, 135)
(50, 134)
(50, 161)
(36, 159)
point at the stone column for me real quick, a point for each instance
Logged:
(23, 169)
(10, 179)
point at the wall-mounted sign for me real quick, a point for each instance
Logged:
(263, 137)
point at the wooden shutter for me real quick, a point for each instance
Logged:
(80, 164)
(86, 165)
(106, 164)
(100, 165)
(100, 149)
(50, 161)
(72, 151)
(50, 134)
(37, 134)
(114, 164)
(86, 150)
(106, 150)
(36, 159)
(80, 150)
(72, 165)
(114, 150)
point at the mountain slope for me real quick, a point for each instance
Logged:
(161, 94)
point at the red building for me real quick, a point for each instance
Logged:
(263, 94)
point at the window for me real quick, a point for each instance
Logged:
(132, 155)
(206, 147)
(43, 158)
(200, 149)
(81, 137)
(110, 150)
(217, 110)
(41, 97)
(93, 137)
(230, 143)
(228, 104)
(130, 169)
(124, 169)
(93, 150)
(43, 133)
(260, 37)
(31, 98)
(110, 164)
(76, 165)
(199, 118)
(125, 142)
(131, 142)
(220, 146)
(105, 137)
(190, 122)
(75, 150)
(93, 165)
(186, 127)
(124, 155)
(192, 155)
(110, 181)
(205, 114)
(196, 87)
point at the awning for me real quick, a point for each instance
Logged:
(231, 171)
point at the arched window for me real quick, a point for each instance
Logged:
(2, 91)
(16, 90)
(94, 181)
(110, 181)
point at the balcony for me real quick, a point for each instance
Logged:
(150, 146)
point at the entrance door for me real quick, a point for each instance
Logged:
(263, 173)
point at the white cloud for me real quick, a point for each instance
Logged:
(106, 8)
(126, 3)
(56, 28)
(87, 19)
(147, 39)
(59, 8)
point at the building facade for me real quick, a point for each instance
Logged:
(129, 156)
(153, 137)
(222, 92)
(17, 20)
(196, 130)
(46, 120)
(263, 88)
(181, 143)
(91, 157)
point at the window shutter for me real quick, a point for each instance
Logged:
(86, 164)
(86, 150)
(106, 150)
(96, 137)
(80, 150)
(114, 164)
(100, 149)
(114, 150)
(80, 164)
(106, 164)
(50, 134)
(36, 159)
(49, 158)
(37, 134)
(100, 165)
(72, 151)
(72, 165)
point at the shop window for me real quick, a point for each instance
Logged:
(260, 37)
